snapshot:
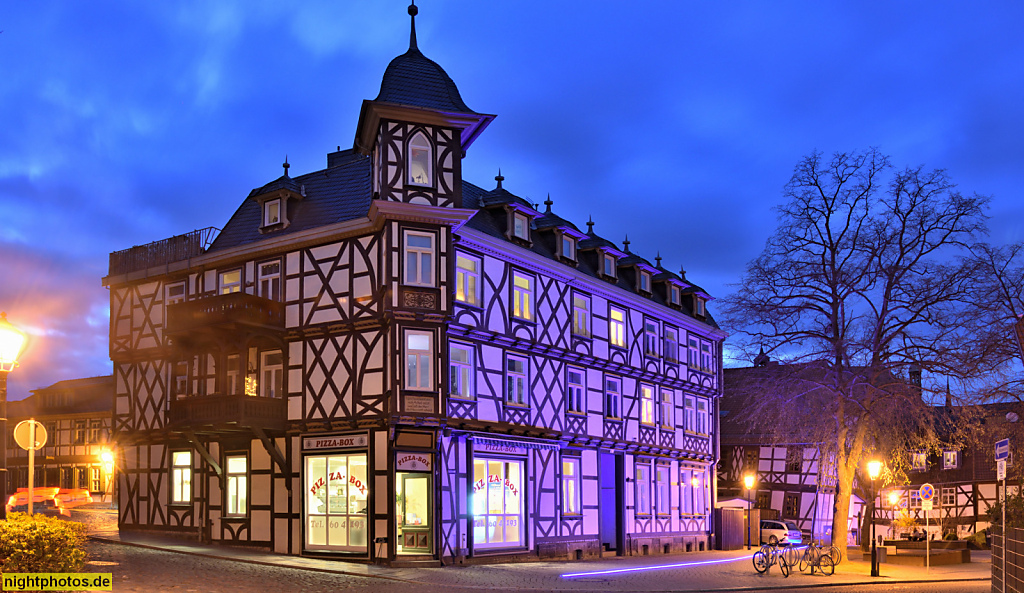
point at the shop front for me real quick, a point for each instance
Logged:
(498, 502)
(413, 502)
(335, 493)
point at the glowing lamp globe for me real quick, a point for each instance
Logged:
(894, 498)
(748, 481)
(874, 469)
(12, 340)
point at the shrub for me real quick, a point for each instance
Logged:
(979, 539)
(950, 536)
(38, 543)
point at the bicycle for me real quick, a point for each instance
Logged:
(819, 557)
(768, 555)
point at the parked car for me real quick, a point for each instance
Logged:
(780, 533)
(48, 507)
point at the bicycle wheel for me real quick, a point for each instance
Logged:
(772, 540)
(784, 565)
(761, 562)
(833, 552)
(826, 565)
(806, 559)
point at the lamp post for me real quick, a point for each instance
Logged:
(108, 472)
(11, 343)
(894, 501)
(874, 469)
(748, 481)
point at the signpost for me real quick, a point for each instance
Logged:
(31, 436)
(1002, 454)
(927, 494)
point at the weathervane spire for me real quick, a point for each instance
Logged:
(413, 11)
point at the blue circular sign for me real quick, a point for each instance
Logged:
(927, 492)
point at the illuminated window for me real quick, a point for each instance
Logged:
(571, 486)
(666, 408)
(237, 490)
(663, 502)
(647, 405)
(461, 360)
(181, 476)
(522, 296)
(467, 279)
(272, 212)
(581, 315)
(643, 489)
(575, 401)
(419, 353)
(617, 327)
(919, 460)
(230, 281)
(79, 433)
(516, 381)
(336, 493)
(949, 460)
(419, 259)
(612, 396)
(420, 161)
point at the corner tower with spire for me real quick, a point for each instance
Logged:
(417, 131)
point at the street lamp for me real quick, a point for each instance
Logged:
(12, 341)
(108, 471)
(874, 469)
(894, 501)
(748, 481)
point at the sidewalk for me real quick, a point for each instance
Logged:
(698, 571)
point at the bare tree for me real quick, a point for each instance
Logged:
(861, 291)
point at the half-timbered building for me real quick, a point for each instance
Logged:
(382, 361)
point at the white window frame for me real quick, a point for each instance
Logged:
(671, 344)
(707, 357)
(419, 141)
(651, 337)
(575, 391)
(948, 496)
(699, 308)
(608, 266)
(570, 243)
(667, 408)
(646, 404)
(418, 352)
(617, 327)
(522, 296)
(674, 295)
(269, 218)
(690, 407)
(918, 460)
(268, 280)
(571, 484)
(181, 477)
(644, 283)
(461, 372)
(232, 374)
(915, 499)
(662, 483)
(517, 381)
(171, 295)
(613, 397)
(467, 280)
(950, 459)
(236, 498)
(413, 273)
(226, 285)
(643, 488)
(702, 415)
(581, 315)
(520, 226)
(271, 381)
(693, 352)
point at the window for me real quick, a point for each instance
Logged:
(608, 266)
(270, 280)
(671, 345)
(79, 433)
(230, 281)
(522, 296)
(272, 373)
(647, 405)
(617, 327)
(918, 461)
(666, 408)
(461, 359)
(763, 500)
(175, 293)
(497, 503)
(645, 281)
(571, 486)
(181, 476)
(420, 169)
(674, 295)
(272, 212)
(686, 492)
(568, 247)
(794, 460)
(651, 338)
(915, 499)
(97, 484)
(66, 477)
(948, 496)
(691, 414)
(706, 359)
(418, 354)
(337, 490)
(693, 352)
(699, 486)
(419, 259)
(612, 396)
(467, 279)
(181, 378)
(791, 506)
(575, 389)
(516, 381)
(232, 386)
(95, 431)
(751, 454)
(949, 459)
(643, 489)
(236, 483)
(521, 226)
(663, 503)
(698, 307)
(702, 416)
(581, 315)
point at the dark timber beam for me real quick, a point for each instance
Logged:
(205, 454)
(276, 455)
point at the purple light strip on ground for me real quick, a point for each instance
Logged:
(642, 568)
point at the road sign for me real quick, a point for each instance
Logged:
(23, 437)
(927, 492)
(926, 505)
(1001, 469)
(1003, 449)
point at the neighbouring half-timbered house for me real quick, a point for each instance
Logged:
(381, 361)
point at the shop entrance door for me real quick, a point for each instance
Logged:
(612, 477)
(412, 507)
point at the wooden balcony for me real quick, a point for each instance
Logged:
(228, 413)
(225, 312)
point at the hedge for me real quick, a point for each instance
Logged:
(37, 543)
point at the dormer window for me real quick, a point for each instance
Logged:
(521, 226)
(568, 247)
(608, 265)
(420, 169)
(645, 282)
(674, 295)
(272, 212)
(698, 307)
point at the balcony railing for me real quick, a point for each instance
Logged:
(228, 412)
(224, 311)
(159, 253)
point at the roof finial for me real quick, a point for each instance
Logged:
(286, 165)
(548, 203)
(590, 226)
(657, 259)
(682, 272)
(499, 178)
(413, 11)
(625, 244)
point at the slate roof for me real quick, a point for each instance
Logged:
(416, 80)
(88, 395)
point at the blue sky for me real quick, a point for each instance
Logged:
(677, 123)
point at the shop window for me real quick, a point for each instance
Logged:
(419, 353)
(522, 296)
(467, 280)
(412, 498)
(497, 504)
(581, 315)
(175, 293)
(663, 503)
(461, 360)
(419, 259)
(237, 487)
(571, 486)
(336, 493)
(647, 405)
(617, 327)
(612, 397)
(575, 388)
(420, 161)
(667, 408)
(643, 489)
(272, 373)
(949, 460)
(270, 280)
(516, 381)
(181, 476)
(230, 281)
(671, 345)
